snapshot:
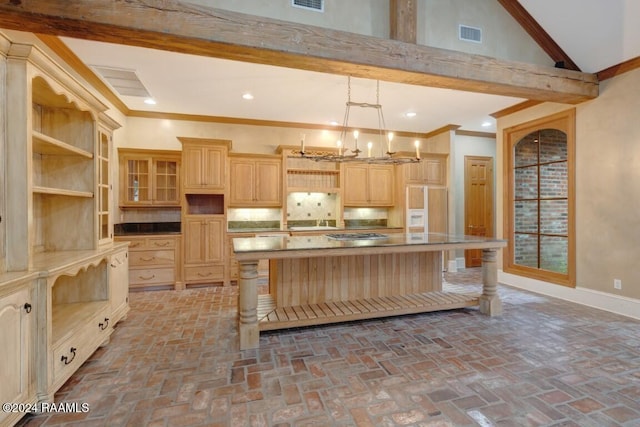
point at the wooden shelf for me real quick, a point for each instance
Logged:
(271, 317)
(44, 144)
(314, 171)
(61, 192)
(313, 189)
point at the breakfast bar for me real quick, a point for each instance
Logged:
(350, 276)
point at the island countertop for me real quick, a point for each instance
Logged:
(339, 277)
(274, 247)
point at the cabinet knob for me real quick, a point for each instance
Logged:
(27, 307)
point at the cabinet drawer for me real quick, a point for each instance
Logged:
(152, 276)
(149, 258)
(204, 273)
(72, 352)
(161, 243)
(149, 243)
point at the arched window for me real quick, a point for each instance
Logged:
(539, 203)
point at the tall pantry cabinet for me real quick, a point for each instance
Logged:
(61, 280)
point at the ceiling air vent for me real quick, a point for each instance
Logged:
(470, 34)
(125, 82)
(316, 5)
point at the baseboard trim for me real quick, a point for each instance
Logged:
(624, 306)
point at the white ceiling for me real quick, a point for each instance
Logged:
(599, 35)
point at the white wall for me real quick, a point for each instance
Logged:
(468, 146)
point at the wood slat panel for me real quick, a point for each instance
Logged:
(367, 308)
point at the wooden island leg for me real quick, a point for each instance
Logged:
(248, 305)
(489, 300)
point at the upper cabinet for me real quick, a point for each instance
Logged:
(432, 170)
(205, 164)
(256, 181)
(104, 189)
(368, 185)
(52, 166)
(308, 176)
(149, 178)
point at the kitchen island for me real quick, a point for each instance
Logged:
(350, 276)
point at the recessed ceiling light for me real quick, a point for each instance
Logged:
(150, 101)
(333, 123)
(410, 114)
(486, 124)
(247, 96)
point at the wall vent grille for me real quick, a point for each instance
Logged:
(316, 5)
(124, 82)
(470, 34)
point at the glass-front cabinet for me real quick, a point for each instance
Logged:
(149, 178)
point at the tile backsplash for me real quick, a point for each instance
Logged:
(312, 206)
(254, 214)
(149, 215)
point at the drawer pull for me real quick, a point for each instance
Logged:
(147, 277)
(147, 259)
(161, 244)
(205, 274)
(134, 245)
(66, 360)
(27, 307)
(104, 325)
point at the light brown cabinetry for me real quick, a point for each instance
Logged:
(305, 175)
(119, 284)
(255, 181)
(204, 248)
(368, 185)
(149, 178)
(17, 334)
(205, 164)
(154, 261)
(58, 224)
(430, 171)
(104, 187)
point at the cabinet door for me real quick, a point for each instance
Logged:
(214, 169)
(104, 193)
(192, 167)
(215, 240)
(119, 284)
(355, 185)
(15, 338)
(380, 185)
(137, 181)
(166, 182)
(268, 188)
(243, 182)
(194, 240)
(434, 171)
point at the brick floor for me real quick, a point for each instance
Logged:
(545, 362)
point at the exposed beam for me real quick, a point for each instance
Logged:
(544, 40)
(618, 69)
(175, 26)
(403, 20)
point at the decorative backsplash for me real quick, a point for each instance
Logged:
(312, 207)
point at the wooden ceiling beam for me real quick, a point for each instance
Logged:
(187, 28)
(403, 20)
(538, 34)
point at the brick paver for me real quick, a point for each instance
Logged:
(175, 362)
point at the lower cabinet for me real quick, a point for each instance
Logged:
(119, 284)
(204, 239)
(17, 335)
(154, 261)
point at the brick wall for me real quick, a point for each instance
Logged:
(541, 207)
